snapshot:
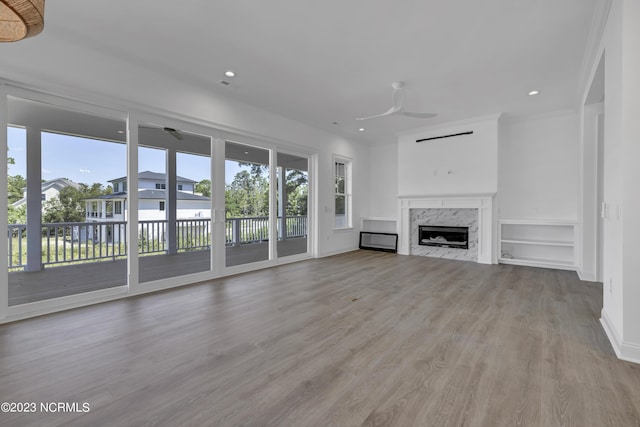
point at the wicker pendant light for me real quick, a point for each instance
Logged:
(20, 19)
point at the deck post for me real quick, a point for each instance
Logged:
(34, 202)
(171, 211)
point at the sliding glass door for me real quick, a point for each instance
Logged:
(65, 232)
(247, 198)
(174, 203)
(293, 204)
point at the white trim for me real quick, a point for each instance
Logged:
(482, 202)
(133, 269)
(593, 50)
(586, 277)
(624, 350)
(4, 214)
(610, 330)
(217, 211)
(348, 190)
(630, 352)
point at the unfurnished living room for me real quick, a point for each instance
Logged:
(337, 213)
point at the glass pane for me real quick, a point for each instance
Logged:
(341, 212)
(340, 185)
(64, 237)
(174, 226)
(246, 204)
(293, 200)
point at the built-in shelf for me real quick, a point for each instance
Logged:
(549, 244)
(381, 224)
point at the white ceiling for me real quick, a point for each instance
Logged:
(328, 61)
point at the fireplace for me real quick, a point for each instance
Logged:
(471, 210)
(444, 237)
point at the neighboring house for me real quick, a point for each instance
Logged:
(152, 200)
(152, 204)
(49, 190)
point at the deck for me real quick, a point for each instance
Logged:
(55, 282)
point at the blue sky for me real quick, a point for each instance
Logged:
(88, 161)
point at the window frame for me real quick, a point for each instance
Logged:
(347, 162)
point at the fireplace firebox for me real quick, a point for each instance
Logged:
(444, 237)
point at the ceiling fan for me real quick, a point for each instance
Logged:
(397, 99)
(174, 133)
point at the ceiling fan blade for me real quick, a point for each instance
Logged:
(390, 111)
(174, 133)
(418, 115)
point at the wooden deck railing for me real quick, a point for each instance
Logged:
(73, 242)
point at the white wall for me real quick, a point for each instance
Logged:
(384, 181)
(620, 46)
(631, 181)
(465, 164)
(538, 174)
(331, 240)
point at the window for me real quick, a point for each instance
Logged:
(161, 206)
(124, 186)
(179, 187)
(43, 197)
(116, 185)
(161, 186)
(342, 174)
(117, 208)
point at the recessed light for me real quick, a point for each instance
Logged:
(246, 153)
(361, 130)
(230, 74)
(120, 131)
(534, 92)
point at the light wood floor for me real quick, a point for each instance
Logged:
(365, 338)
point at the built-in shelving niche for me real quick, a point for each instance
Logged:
(548, 244)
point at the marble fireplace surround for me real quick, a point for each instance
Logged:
(482, 202)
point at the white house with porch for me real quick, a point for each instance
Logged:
(152, 207)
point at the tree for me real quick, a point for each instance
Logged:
(15, 185)
(204, 187)
(248, 194)
(18, 215)
(69, 206)
(296, 182)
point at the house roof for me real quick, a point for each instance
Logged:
(59, 183)
(156, 176)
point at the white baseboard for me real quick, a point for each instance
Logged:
(630, 352)
(586, 277)
(612, 333)
(627, 351)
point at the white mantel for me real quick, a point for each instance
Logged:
(482, 201)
